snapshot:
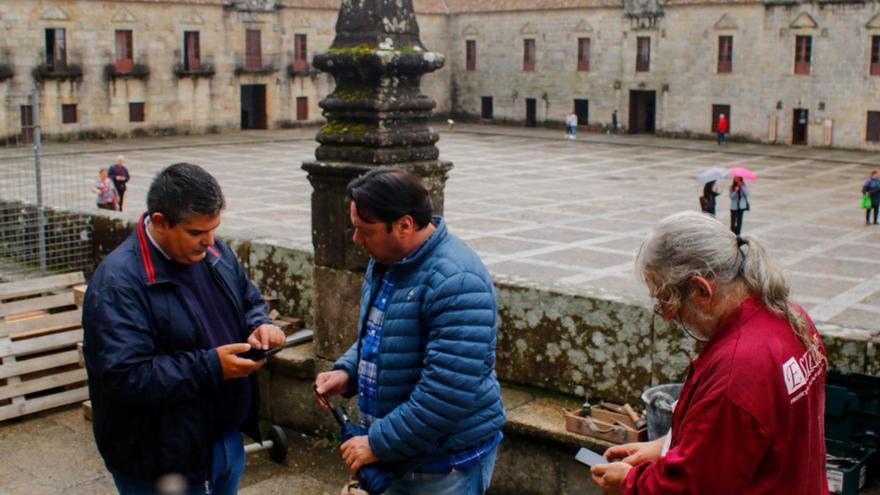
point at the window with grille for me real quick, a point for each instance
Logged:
(192, 59)
(470, 55)
(253, 54)
(643, 54)
(136, 112)
(124, 51)
(803, 53)
(875, 55)
(873, 131)
(725, 54)
(68, 114)
(56, 49)
(529, 55)
(583, 54)
(300, 56)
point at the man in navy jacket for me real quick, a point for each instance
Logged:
(165, 316)
(423, 365)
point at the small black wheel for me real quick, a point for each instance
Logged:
(278, 452)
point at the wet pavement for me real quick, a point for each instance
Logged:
(552, 212)
(54, 452)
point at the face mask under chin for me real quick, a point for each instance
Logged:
(694, 334)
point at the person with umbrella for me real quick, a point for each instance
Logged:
(710, 190)
(423, 365)
(739, 197)
(872, 189)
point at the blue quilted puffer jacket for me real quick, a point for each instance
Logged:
(437, 389)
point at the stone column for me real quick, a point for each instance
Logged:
(376, 116)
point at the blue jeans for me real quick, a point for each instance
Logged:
(228, 454)
(473, 481)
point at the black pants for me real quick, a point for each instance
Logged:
(121, 194)
(736, 221)
(873, 208)
(106, 206)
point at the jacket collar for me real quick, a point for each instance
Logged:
(154, 261)
(727, 329)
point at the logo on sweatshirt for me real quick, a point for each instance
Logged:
(794, 375)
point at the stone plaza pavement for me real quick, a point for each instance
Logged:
(562, 214)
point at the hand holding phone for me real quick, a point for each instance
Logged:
(259, 354)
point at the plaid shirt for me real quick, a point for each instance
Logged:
(367, 384)
(367, 368)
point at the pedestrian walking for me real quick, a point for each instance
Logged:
(871, 188)
(751, 415)
(571, 123)
(739, 204)
(423, 365)
(119, 175)
(723, 126)
(614, 122)
(707, 200)
(105, 198)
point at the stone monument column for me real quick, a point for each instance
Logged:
(376, 116)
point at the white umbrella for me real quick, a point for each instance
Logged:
(711, 175)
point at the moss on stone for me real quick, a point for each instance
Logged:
(343, 128)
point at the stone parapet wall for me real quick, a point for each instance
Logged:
(578, 344)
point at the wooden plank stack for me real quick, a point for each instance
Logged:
(39, 331)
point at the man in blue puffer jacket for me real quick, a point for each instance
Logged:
(423, 365)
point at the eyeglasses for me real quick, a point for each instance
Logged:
(672, 302)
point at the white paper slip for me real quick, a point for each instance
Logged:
(590, 458)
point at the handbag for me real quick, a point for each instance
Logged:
(866, 201)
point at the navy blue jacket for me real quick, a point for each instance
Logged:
(152, 373)
(437, 388)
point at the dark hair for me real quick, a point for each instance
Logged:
(708, 189)
(736, 180)
(386, 194)
(182, 189)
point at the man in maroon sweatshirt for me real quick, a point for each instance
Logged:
(750, 418)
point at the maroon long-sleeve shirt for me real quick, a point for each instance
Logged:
(750, 418)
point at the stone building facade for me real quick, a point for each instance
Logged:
(833, 101)
(133, 67)
(783, 71)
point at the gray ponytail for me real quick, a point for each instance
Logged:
(689, 244)
(763, 277)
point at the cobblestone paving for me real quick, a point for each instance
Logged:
(569, 214)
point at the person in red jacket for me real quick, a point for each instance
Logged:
(722, 129)
(750, 418)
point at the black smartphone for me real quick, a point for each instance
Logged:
(258, 354)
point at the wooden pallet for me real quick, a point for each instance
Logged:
(40, 328)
